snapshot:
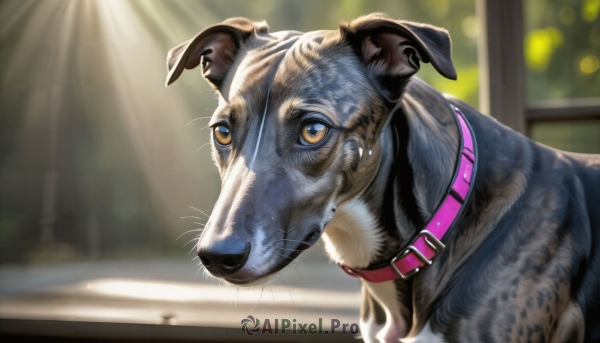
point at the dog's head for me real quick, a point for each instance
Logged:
(296, 131)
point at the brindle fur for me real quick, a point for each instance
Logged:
(519, 266)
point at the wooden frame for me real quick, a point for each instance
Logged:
(563, 109)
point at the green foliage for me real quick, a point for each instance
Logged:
(562, 46)
(590, 9)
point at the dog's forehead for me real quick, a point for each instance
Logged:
(257, 59)
(308, 67)
(323, 71)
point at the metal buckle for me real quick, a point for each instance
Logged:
(408, 250)
(402, 276)
(432, 241)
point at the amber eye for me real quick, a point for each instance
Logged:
(312, 133)
(222, 134)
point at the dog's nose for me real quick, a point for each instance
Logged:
(224, 257)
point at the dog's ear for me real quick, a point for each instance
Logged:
(215, 48)
(391, 50)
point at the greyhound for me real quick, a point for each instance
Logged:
(460, 229)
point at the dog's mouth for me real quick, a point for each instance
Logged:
(246, 279)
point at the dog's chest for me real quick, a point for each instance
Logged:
(353, 237)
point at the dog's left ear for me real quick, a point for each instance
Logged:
(391, 50)
(215, 49)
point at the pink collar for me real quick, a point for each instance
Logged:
(427, 244)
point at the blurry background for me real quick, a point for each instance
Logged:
(99, 161)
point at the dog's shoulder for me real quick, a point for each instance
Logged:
(544, 241)
(526, 273)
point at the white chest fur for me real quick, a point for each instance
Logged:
(353, 236)
(395, 326)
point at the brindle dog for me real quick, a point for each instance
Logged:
(328, 134)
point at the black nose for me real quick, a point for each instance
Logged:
(224, 257)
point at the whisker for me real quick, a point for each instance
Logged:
(290, 292)
(291, 240)
(205, 127)
(321, 252)
(194, 247)
(283, 257)
(290, 263)
(193, 208)
(188, 232)
(289, 231)
(204, 91)
(191, 217)
(199, 269)
(236, 297)
(203, 145)
(206, 274)
(260, 297)
(199, 118)
(288, 249)
(193, 239)
(272, 293)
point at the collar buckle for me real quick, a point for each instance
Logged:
(400, 256)
(430, 240)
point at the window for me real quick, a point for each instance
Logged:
(539, 64)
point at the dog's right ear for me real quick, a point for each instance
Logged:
(215, 48)
(392, 49)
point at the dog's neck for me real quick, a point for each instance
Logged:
(426, 145)
(418, 148)
(419, 145)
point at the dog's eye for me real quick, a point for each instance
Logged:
(312, 133)
(222, 134)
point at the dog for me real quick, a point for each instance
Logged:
(328, 134)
